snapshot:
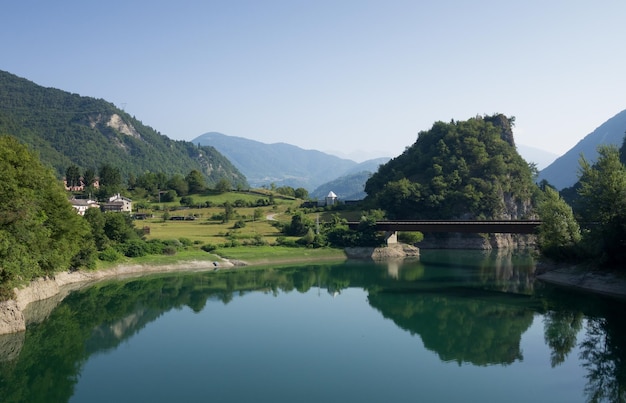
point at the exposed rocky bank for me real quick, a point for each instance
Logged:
(609, 283)
(17, 313)
(393, 251)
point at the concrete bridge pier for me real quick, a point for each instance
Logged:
(391, 237)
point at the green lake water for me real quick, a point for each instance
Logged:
(453, 326)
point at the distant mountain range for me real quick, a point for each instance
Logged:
(288, 165)
(563, 172)
(283, 164)
(540, 157)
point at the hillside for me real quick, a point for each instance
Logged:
(458, 170)
(281, 164)
(65, 129)
(563, 172)
(351, 185)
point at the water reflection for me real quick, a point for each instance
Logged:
(466, 307)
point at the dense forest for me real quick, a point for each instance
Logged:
(462, 169)
(67, 129)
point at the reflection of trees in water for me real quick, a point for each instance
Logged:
(560, 331)
(459, 322)
(603, 355)
(602, 351)
(464, 330)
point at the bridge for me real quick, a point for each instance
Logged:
(469, 226)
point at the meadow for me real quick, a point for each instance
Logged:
(250, 235)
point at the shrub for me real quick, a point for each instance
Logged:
(208, 247)
(169, 250)
(135, 248)
(154, 247)
(187, 201)
(186, 242)
(173, 242)
(109, 255)
(410, 237)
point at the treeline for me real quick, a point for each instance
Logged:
(40, 232)
(593, 225)
(155, 184)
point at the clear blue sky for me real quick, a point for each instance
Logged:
(356, 76)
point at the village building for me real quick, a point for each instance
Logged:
(81, 205)
(118, 203)
(331, 199)
(81, 187)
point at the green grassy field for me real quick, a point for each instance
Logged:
(208, 228)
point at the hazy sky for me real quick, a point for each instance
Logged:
(337, 75)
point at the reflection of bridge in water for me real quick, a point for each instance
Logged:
(468, 226)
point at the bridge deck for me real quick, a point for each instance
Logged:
(477, 227)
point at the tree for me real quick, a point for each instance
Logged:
(72, 176)
(110, 180)
(168, 196)
(300, 224)
(131, 181)
(40, 232)
(195, 181)
(223, 186)
(603, 204)
(89, 177)
(258, 214)
(559, 233)
(229, 211)
(119, 227)
(187, 201)
(96, 221)
(179, 184)
(302, 193)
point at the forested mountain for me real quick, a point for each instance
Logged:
(563, 172)
(281, 164)
(458, 170)
(68, 129)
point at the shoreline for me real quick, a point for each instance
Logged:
(13, 319)
(12, 312)
(584, 279)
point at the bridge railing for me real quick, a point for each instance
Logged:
(466, 226)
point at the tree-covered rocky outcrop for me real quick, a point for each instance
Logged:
(67, 129)
(458, 170)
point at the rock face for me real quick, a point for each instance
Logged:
(393, 251)
(477, 241)
(11, 318)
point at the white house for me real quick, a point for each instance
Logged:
(81, 205)
(118, 203)
(329, 200)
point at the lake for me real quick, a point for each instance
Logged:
(453, 326)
